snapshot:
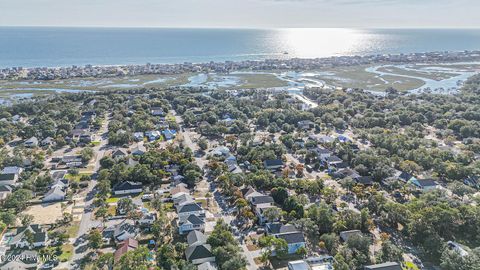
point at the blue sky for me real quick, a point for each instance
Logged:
(242, 13)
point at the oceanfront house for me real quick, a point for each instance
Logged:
(127, 187)
(28, 237)
(424, 184)
(190, 208)
(5, 190)
(55, 194)
(32, 142)
(273, 164)
(198, 251)
(189, 223)
(384, 266)
(124, 247)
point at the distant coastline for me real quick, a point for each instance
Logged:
(109, 71)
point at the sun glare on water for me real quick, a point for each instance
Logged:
(320, 42)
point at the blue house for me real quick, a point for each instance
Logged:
(169, 134)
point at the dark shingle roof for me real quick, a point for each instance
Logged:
(273, 162)
(262, 199)
(196, 237)
(277, 227)
(193, 219)
(292, 237)
(127, 185)
(7, 177)
(189, 207)
(196, 252)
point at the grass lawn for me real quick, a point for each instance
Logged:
(410, 266)
(93, 144)
(169, 206)
(72, 230)
(112, 200)
(203, 202)
(77, 177)
(67, 253)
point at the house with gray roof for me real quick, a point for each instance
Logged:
(32, 236)
(190, 223)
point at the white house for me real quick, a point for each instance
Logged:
(147, 219)
(188, 209)
(55, 194)
(189, 223)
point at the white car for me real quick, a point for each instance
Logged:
(147, 197)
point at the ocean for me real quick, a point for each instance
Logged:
(51, 46)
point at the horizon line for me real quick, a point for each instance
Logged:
(238, 27)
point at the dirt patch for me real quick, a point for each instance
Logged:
(47, 213)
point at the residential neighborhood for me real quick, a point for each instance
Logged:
(250, 179)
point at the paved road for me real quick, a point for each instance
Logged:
(87, 222)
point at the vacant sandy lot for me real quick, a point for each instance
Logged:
(47, 213)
